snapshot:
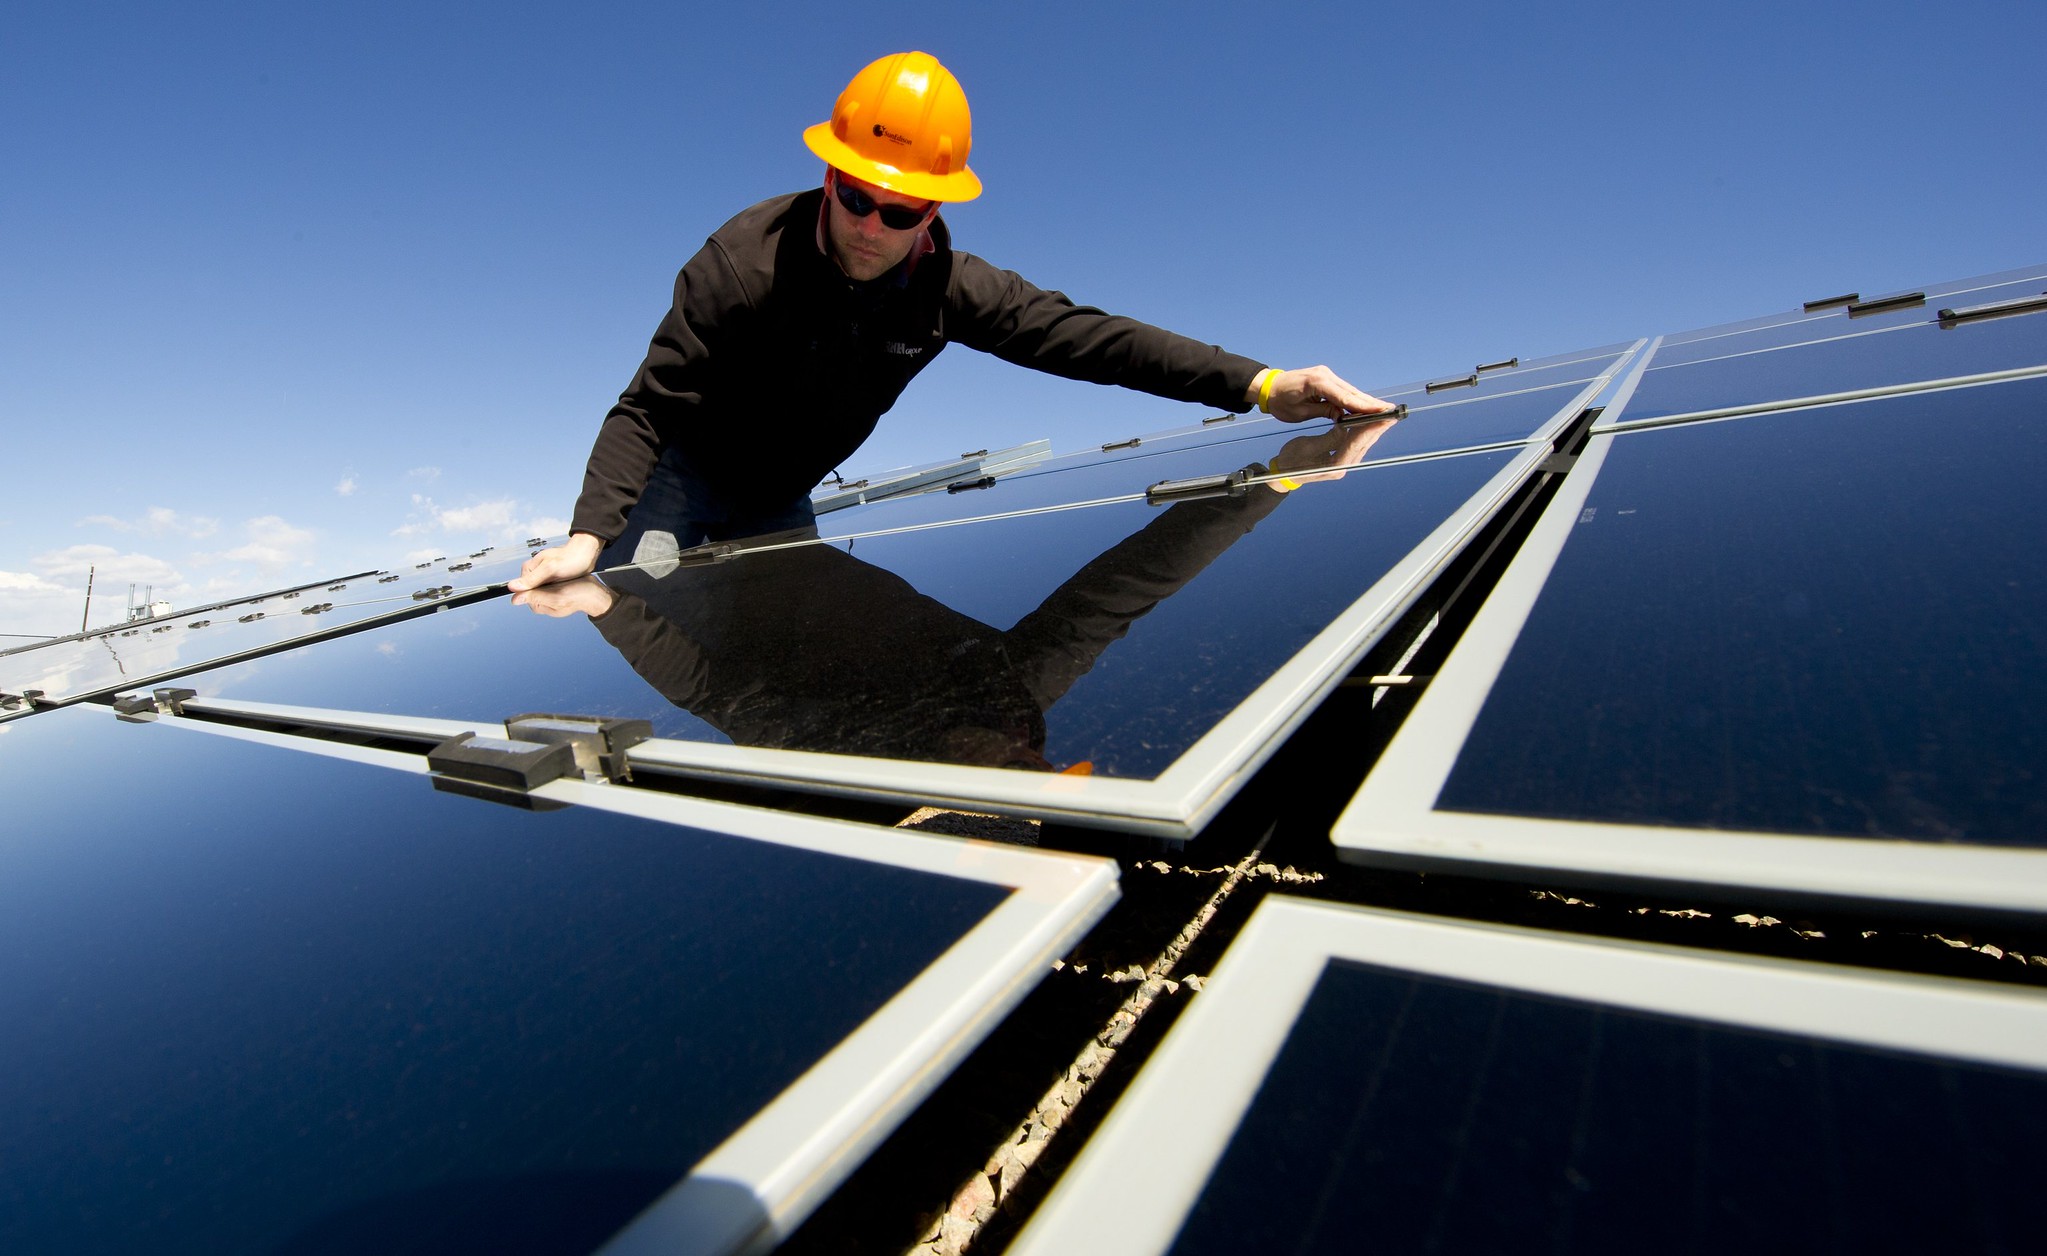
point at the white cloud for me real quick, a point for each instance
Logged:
(72, 563)
(491, 517)
(17, 583)
(429, 474)
(157, 521)
(347, 486)
(272, 543)
(504, 519)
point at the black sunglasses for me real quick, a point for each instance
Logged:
(894, 217)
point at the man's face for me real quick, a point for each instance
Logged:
(867, 248)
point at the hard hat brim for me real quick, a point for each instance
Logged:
(959, 185)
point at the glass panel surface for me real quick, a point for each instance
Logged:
(1901, 355)
(1827, 622)
(1492, 383)
(1963, 291)
(1825, 324)
(136, 655)
(1440, 1116)
(1450, 428)
(256, 1001)
(1439, 426)
(1115, 635)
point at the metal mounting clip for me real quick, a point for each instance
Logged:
(1235, 484)
(138, 708)
(1881, 305)
(1993, 309)
(598, 744)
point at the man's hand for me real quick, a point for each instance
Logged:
(578, 557)
(1316, 392)
(577, 597)
(1326, 456)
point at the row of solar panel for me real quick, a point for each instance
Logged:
(276, 1013)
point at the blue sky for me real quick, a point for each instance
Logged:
(288, 291)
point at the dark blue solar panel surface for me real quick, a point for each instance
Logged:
(1921, 351)
(1828, 622)
(261, 1001)
(1114, 634)
(1434, 1116)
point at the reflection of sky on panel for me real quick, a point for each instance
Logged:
(1442, 1116)
(1956, 291)
(1441, 425)
(1824, 325)
(332, 1006)
(466, 663)
(1900, 355)
(917, 645)
(136, 655)
(1832, 625)
(1592, 361)
(1577, 367)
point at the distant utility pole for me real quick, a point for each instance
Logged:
(87, 617)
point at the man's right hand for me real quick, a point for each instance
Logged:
(576, 558)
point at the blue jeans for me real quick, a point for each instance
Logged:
(680, 509)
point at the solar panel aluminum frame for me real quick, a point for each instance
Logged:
(1392, 821)
(1142, 1171)
(792, 1153)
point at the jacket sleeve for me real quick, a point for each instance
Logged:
(999, 312)
(1058, 643)
(681, 366)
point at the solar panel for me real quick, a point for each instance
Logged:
(1164, 647)
(1820, 308)
(1454, 1087)
(1438, 423)
(145, 651)
(257, 999)
(1836, 320)
(1914, 352)
(1795, 650)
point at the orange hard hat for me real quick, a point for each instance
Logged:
(902, 124)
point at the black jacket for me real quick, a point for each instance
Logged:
(771, 367)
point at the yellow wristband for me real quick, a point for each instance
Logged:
(1265, 391)
(1285, 484)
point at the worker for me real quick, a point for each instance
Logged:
(801, 320)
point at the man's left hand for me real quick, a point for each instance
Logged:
(1316, 392)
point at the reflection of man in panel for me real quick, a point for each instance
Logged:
(800, 321)
(809, 648)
